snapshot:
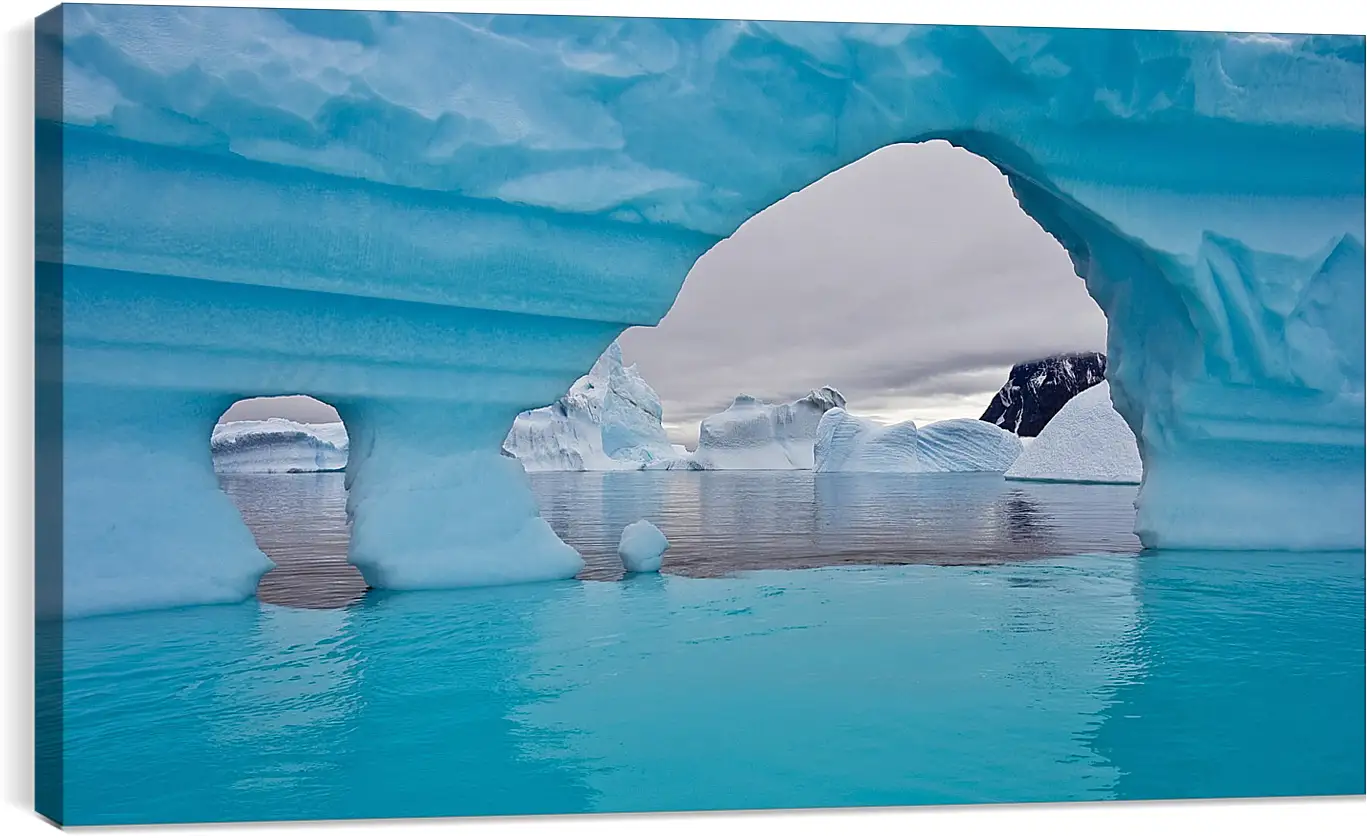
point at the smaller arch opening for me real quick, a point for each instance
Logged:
(281, 460)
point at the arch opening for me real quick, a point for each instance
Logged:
(1226, 252)
(1220, 355)
(282, 461)
(911, 281)
(905, 286)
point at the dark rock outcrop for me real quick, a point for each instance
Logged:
(1036, 390)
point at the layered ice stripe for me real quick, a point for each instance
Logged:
(278, 445)
(966, 445)
(846, 442)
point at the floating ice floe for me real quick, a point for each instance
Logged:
(642, 547)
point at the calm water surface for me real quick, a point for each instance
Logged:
(1008, 644)
(720, 523)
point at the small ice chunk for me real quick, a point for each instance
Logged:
(642, 547)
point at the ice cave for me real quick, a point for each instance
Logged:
(434, 222)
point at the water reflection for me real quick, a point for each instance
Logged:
(880, 686)
(723, 522)
(403, 708)
(300, 663)
(299, 522)
(1090, 672)
(720, 523)
(1084, 678)
(1252, 679)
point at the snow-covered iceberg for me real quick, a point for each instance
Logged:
(1085, 442)
(966, 445)
(438, 221)
(609, 420)
(278, 446)
(754, 435)
(845, 442)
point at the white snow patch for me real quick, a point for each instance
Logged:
(1086, 442)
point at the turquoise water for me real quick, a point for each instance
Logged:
(1090, 676)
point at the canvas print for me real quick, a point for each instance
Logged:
(482, 414)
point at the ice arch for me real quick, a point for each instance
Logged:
(461, 212)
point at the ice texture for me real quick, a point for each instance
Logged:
(145, 525)
(278, 446)
(642, 547)
(1085, 442)
(438, 221)
(966, 445)
(610, 420)
(755, 435)
(846, 442)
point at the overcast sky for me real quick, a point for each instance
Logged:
(910, 281)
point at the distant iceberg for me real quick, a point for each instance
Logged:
(754, 435)
(845, 442)
(1086, 442)
(966, 445)
(642, 547)
(610, 420)
(275, 446)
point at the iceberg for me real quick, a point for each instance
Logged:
(278, 446)
(609, 420)
(1085, 442)
(436, 222)
(966, 445)
(642, 547)
(845, 442)
(754, 435)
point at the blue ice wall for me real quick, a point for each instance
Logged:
(437, 220)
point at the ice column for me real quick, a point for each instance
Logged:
(145, 524)
(435, 504)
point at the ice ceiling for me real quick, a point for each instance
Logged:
(436, 221)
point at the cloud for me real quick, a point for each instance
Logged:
(298, 408)
(911, 277)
